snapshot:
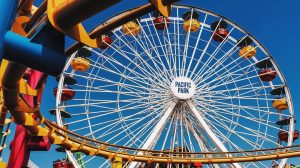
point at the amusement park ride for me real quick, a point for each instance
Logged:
(161, 85)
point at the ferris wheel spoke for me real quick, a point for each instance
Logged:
(206, 128)
(236, 148)
(131, 125)
(220, 135)
(146, 128)
(219, 62)
(245, 88)
(234, 80)
(253, 119)
(204, 51)
(248, 97)
(197, 137)
(226, 76)
(254, 145)
(135, 80)
(150, 74)
(167, 133)
(110, 127)
(231, 73)
(178, 42)
(153, 71)
(213, 55)
(153, 120)
(196, 44)
(94, 125)
(172, 69)
(225, 139)
(133, 135)
(99, 102)
(222, 105)
(113, 62)
(107, 110)
(91, 158)
(148, 144)
(218, 118)
(136, 84)
(110, 82)
(185, 49)
(202, 70)
(104, 114)
(165, 72)
(164, 51)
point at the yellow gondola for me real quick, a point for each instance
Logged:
(131, 28)
(246, 49)
(80, 64)
(280, 104)
(191, 22)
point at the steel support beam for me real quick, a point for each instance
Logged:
(200, 141)
(156, 131)
(208, 130)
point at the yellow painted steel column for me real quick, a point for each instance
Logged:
(2, 164)
(117, 162)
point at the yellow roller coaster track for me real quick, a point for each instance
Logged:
(77, 143)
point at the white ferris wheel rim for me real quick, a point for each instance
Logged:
(166, 74)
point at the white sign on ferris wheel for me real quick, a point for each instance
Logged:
(183, 87)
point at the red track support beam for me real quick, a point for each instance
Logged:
(20, 153)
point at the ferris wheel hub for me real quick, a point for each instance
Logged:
(183, 87)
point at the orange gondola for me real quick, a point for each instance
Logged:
(280, 103)
(191, 22)
(246, 49)
(131, 28)
(80, 64)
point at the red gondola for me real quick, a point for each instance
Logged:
(220, 30)
(105, 41)
(198, 165)
(161, 22)
(220, 35)
(67, 93)
(267, 74)
(283, 135)
(62, 164)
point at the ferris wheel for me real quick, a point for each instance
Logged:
(192, 82)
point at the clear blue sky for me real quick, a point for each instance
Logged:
(275, 23)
